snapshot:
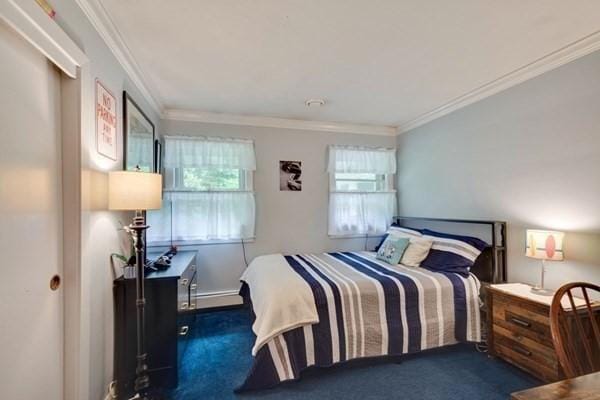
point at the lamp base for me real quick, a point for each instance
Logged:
(542, 292)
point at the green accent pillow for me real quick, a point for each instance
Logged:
(392, 249)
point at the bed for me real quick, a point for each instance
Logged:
(318, 310)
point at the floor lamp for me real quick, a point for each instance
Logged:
(137, 191)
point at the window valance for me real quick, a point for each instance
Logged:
(205, 152)
(345, 159)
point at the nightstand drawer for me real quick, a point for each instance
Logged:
(526, 347)
(520, 358)
(523, 319)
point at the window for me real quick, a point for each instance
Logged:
(208, 179)
(208, 193)
(349, 182)
(362, 199)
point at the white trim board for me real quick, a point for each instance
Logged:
(31, 22)
(107, 30)
(571, 52)
(270, 122)
(218, 299)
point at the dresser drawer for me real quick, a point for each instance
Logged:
(525, 320)
(520, 358)
(184, 285)
(526, 347)
(193, 291)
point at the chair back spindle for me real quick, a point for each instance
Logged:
(576, 329)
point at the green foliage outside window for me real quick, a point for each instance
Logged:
(211, 179)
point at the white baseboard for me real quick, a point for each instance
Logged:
(218, 299)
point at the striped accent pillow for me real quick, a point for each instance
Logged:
(452, 253)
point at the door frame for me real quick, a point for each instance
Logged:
(32, 23)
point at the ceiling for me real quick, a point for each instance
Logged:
(380, 62)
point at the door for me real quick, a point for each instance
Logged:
(31, 314)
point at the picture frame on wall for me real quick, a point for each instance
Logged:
(138, 138)
(290, 176)
(106, 122)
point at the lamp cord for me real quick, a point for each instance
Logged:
(244, 252)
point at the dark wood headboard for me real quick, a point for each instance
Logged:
(490, 266)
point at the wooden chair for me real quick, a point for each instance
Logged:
(576, 330)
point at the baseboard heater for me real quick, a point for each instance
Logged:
(218, 299)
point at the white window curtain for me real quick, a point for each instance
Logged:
(359, 213)
(204, 152)
(358, 160)
(205, 215)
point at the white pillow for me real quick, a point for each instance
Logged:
(417, 250)
(418, 247)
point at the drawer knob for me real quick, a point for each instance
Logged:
(193, 286)
(184, 330)
(520, 322)
(184, 306)
(184, 282)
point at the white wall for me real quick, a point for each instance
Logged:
(287, 222)
(98, 225)
(529, 155)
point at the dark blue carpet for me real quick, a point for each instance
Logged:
(217, 358)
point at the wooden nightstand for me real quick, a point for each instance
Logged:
(519, 330)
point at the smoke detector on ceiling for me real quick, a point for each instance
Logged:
(316, 103)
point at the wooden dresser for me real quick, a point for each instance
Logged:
(170, 296)
(519, 330)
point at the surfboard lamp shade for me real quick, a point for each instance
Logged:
(545, 245)
(132, 190)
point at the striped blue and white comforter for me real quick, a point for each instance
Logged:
(367, 308)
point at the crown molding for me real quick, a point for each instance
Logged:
(571, 52)
(107, 30)
(283, 123)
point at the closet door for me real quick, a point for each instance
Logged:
(31, 302)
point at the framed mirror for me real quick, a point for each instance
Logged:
(138, 137)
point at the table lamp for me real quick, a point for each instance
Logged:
(137, 191)
(544, 245)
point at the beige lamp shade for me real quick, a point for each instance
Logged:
(545, 245)
(132, 190)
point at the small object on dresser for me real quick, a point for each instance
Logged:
(544, 245)
(162, 262)
(519, 330)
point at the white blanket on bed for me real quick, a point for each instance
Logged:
(282, 300)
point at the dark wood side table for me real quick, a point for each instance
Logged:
(585, 387)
